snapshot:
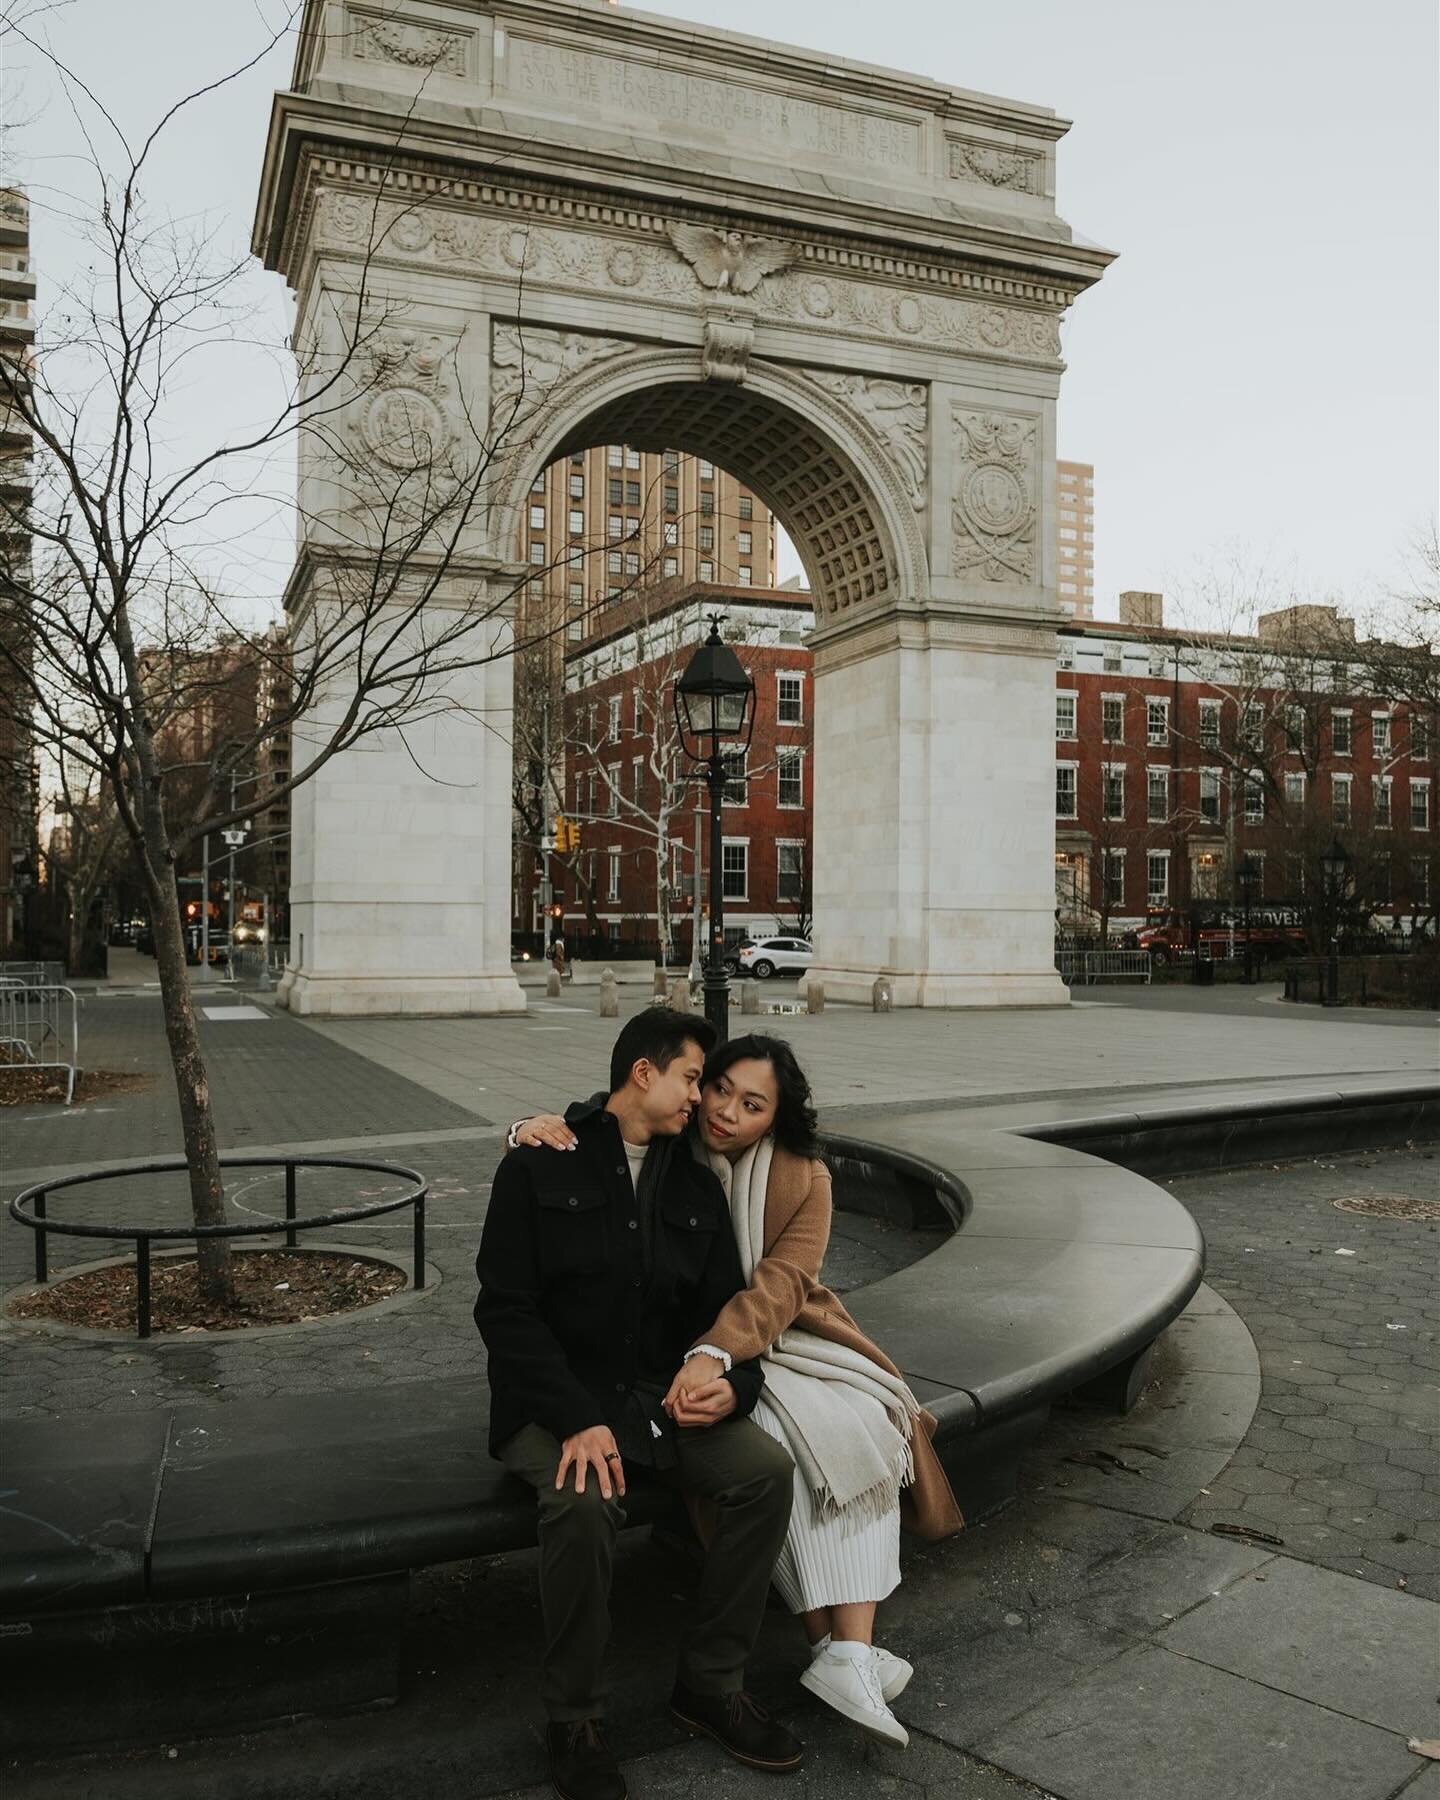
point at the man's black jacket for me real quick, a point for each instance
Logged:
(571, 1320)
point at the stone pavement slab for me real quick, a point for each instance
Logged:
(1154, 1723)
(1354, 1648)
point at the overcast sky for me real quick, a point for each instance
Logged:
(1256, 374)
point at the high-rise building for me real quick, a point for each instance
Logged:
(608, 520)
(1075, 538)
(17, 771)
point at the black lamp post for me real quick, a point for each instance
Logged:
(1248, 878)
(715, 705)
(1335, 865)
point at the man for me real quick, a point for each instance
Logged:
(597, 1272)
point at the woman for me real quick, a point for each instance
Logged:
(836, 1401)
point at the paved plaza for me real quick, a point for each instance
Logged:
(1110, 1632)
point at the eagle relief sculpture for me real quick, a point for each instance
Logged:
(732, 262)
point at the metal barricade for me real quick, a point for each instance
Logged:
(39, 1029)
(1088, 966)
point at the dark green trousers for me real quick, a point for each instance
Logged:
(750, 1481)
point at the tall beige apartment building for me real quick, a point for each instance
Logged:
(606, 521)
(1075, 538)
(17, 773)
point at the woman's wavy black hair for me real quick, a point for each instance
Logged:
(794, 1126)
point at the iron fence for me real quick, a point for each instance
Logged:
(39, 1029)
(1088, 966)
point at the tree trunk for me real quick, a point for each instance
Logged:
(192, 1084)
(75, 933)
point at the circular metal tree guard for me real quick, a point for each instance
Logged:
(31, 1209)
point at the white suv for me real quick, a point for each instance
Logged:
(775, 956)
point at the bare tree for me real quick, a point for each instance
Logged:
(119, 614)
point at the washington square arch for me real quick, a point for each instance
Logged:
(841, 283)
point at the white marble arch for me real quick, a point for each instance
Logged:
(842, 283)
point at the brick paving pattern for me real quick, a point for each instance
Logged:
(1343, 1459)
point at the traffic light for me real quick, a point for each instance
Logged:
(192, 909)
(567, 835)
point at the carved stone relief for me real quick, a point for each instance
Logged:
(403, 418)
(527, 365)
(973, 160)
(896, 412)
(414, 46)
(594, 261)
(993, 516)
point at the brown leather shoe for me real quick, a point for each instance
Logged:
(582, 1766)
(739, 1724)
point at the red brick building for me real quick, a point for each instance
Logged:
(633, 796)
(1178, 757)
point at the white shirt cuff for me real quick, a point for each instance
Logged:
(721, 1356)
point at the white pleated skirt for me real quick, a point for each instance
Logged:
(831, 1562)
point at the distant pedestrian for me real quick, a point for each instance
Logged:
(557, 957)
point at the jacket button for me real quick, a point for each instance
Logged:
(619, 1387)
(636, 1282)
(574, 1201)
(634, 1224)
(619, 1168)
(693, 1221)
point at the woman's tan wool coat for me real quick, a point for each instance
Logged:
(785, 1290)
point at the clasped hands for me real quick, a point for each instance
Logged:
(698, 1396)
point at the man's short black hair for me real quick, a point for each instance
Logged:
(658, 1034)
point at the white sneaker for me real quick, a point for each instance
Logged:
(894, 1673)
(853, 1690)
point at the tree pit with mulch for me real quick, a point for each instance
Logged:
(272, 1287)
(23, 1085)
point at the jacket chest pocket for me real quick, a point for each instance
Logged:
(689, 1230)
(573, 1229)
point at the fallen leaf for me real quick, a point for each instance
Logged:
(1425, 1747)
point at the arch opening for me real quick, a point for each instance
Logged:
(814, 490)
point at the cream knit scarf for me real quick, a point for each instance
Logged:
(848, 1422)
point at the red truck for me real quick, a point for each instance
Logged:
(1274, 935)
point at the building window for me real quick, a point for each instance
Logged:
(707, 470)
(746, 507)
(577, 487)
(1110, 659)
(615, 456)
(537, 553)
(1419, 881)
(1112, 718)
(707, 537)
(637, 778)
(614, 562)
(1157, 877)
(735, 871)
(671, 533)
(1254, 796)
(1157, 795)
(1420, 805)
(1340, 799)
(612, 791)
(632, 493)
(615, 528)
(707, 506)
(1065, 791)
(1065, 715)
(537, 486)
(1065, 653)
(744, 543)
(1204, 875)
(737, 781)
(1210, 795)
(577, 523)
(632, 562)
(1380, 879)
(790, 699)
(671, 565)
(743, 575)
(1419, 737)
(1380, 734)
(672, 499)
(1157, 721)
(1294, 791)
(1210, 724)
(537, 518)
(616, 490)
(789, 871)
(1380, 800)
(612, 706)
(612, 885)
(1069, 587)
(1253, 730)
(1295, 727)
(671, 462)
(790, 778)
(1114, 861)
(1113, 789)
(707, 571)
(1067, 531)
(1339, 733)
